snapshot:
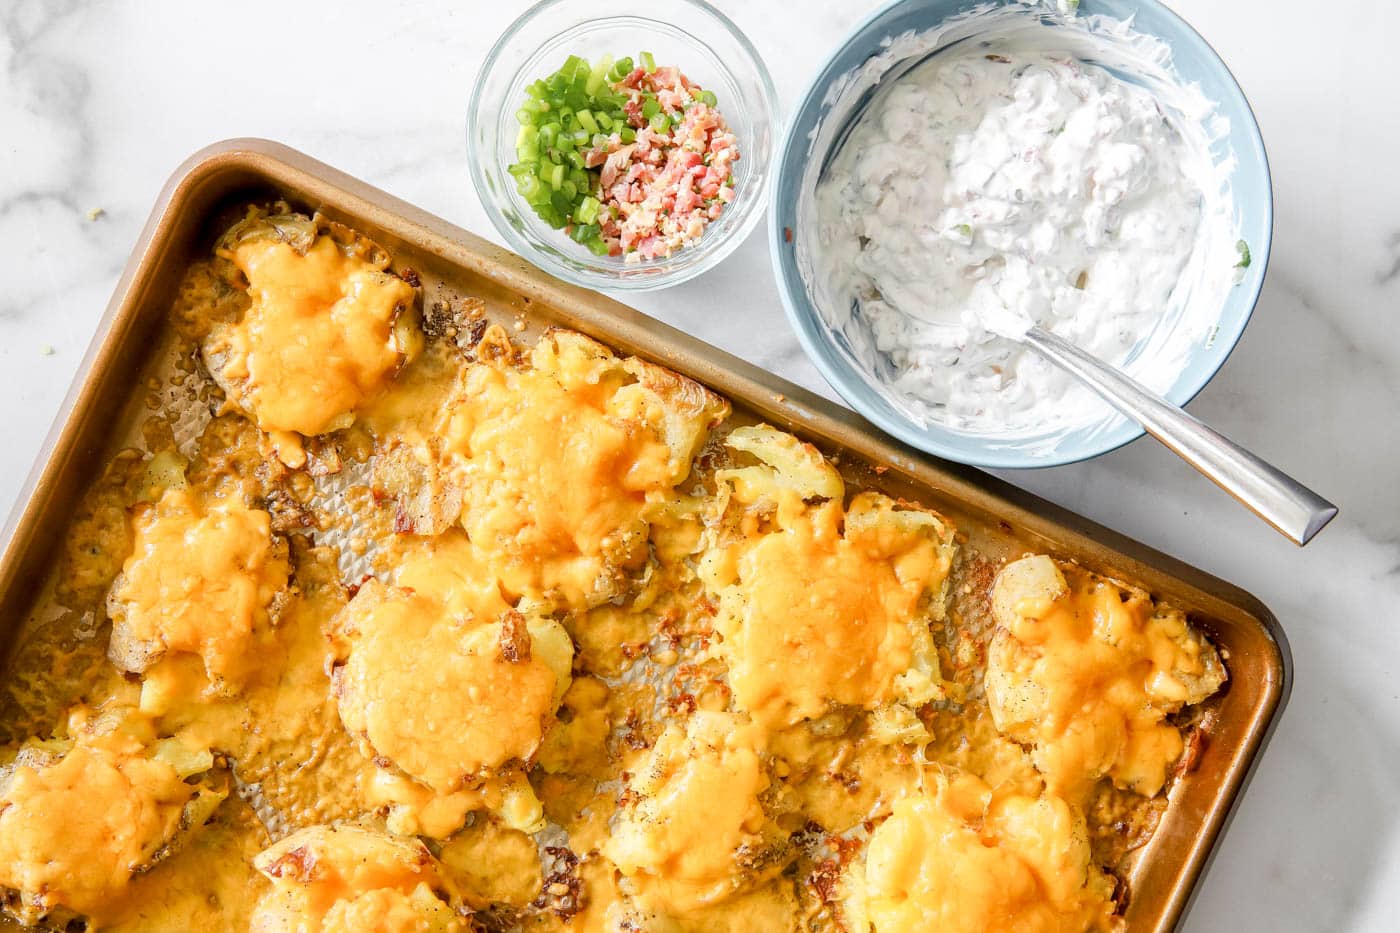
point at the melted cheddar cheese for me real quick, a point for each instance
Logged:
(559, 462)
(1087, 672)
(831, 606)
(79, 817)
(965, 860)
(697, 833)
(317, 340)
(348, 879)
(449, 570)
(437, 697)
(446, 681)
(282, 730)
(202, 580)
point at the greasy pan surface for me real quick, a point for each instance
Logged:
(996, 518)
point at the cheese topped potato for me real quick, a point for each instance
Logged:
(326, 328)
(696, 833)
(81, 814)
(350, 879)
(205, 579)
(822, 605)
(560, 462)
(440, 677)
(1086, 672)
(962, 859)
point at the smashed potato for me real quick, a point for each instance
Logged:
(442, 679)
(560, 463)
(965, 860)
(697, 832)
(204, 579)
(1086, 673)
(349, 879)
(831, 606)
(326, 327)
(82, 813)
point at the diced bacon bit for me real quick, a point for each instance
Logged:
(614, 163)
(515, 638)
(660, 192)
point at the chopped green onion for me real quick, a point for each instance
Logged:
(555, 176)
(648, 63)
(549, 215)
(598, 75)
(660, 122)
(585, 120)
(529, 186)
(1245, 259)
(707, 98)
(650, 107)
(527, 144)
(628, 135)
(587, 210)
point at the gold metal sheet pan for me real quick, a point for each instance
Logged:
(996, 517)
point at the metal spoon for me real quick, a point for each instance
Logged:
(1292, 508)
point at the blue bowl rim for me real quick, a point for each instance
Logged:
(841, 379)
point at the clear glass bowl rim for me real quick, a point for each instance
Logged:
(583, 269)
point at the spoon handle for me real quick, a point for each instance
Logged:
(1292, 508)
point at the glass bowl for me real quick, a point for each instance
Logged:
(690, 34)
(815, 130)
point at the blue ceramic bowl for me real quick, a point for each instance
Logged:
(1193, 60)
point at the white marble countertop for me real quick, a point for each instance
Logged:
(100, 101)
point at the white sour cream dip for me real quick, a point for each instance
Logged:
(1005, 181)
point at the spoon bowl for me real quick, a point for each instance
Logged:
(1294, 510)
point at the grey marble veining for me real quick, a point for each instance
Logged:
(101, 100)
